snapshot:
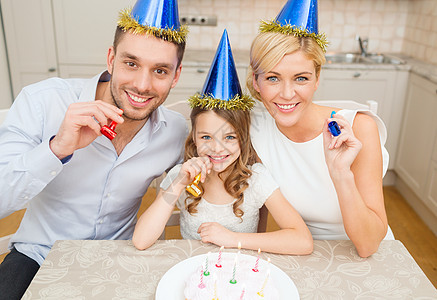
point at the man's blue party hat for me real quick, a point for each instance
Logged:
(222, 88)
(298, 18)
(155, 17)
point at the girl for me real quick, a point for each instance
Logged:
(234, 188)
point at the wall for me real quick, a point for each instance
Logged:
(383, 21)
(421, 33)
(408, 26)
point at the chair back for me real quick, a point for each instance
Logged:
(3, 113)
(174, 220)
(350, 104)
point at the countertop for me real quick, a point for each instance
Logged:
(203, 58)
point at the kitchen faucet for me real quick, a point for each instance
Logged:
(363, 45)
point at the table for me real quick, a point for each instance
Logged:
(116, 270)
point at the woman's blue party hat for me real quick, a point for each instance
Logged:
(156, 17)
(298, 18)
(222, 88)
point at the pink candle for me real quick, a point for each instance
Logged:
(201, 284)
(218, 264)
(243, 292)
(255, 269)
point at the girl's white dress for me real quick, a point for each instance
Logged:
(261, 186)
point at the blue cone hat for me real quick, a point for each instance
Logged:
(155, 17)
(222, 88)
(298, 18)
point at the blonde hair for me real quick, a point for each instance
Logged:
(236, 182)
(269, 48)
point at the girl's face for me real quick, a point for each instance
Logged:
(217, 139)
(287, 90)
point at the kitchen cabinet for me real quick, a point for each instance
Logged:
(47, 38)
(385, 86)
(30, 41)
(416, 164)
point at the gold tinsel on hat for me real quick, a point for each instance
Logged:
(127, 22)
(275, 26)
(209, 102)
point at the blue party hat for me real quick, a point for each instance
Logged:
(222, 88)
(155, 17)
(298, 18)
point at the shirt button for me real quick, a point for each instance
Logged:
(101, 221)
(108, 195)
(53, 173)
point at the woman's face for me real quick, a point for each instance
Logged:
(216, 139)
(287, 90)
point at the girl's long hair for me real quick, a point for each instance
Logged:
(236, 182)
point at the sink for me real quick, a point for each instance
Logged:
(344, 58)
(357, 58)
(385, 59)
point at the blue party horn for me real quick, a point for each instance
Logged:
(333, 127)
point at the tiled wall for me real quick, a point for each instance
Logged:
(421, 31)
(408, 26)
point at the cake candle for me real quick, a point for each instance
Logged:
(206, 272)
(234, 271)
(219, 259)
(243, 292)
(261, 291)
(255, 269)
(215, 297)
(201, 284)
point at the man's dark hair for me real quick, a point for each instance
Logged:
(119, 32)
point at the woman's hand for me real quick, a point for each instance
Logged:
(192, 167)
(340, 151)
(212, 232)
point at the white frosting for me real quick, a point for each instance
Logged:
(252, 282)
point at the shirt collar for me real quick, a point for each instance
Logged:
(90, 88)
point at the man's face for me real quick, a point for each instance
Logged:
(143, 70)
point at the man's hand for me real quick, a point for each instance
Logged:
(81, 126)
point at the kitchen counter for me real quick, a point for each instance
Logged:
(203, 58)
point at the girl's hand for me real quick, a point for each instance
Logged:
(192, 167)
(212, 232)
(340, 151)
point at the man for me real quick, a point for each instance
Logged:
(79, 184)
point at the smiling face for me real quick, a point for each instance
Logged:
(215, 138)
(287, 90)
(144, 69)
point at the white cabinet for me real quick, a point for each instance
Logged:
(85, 29)
(30, 41)
(387, 87)
(416, 164)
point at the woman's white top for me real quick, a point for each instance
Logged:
(261, 186)
(302, 174)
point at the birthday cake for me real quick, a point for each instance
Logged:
(233, 276)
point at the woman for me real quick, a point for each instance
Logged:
(335, 183)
